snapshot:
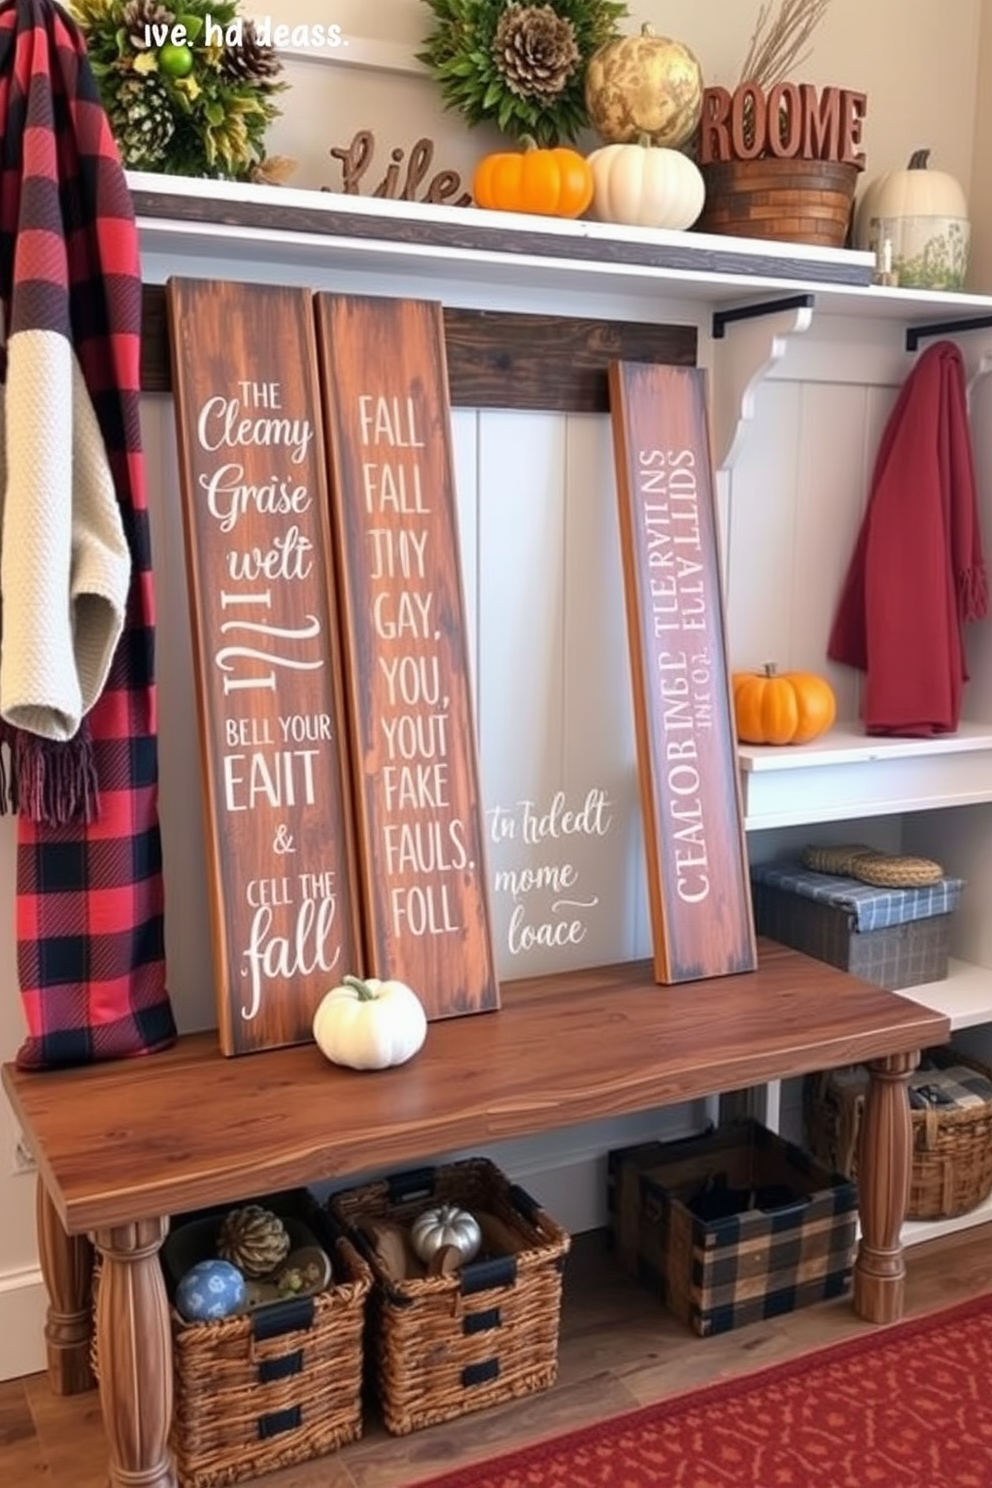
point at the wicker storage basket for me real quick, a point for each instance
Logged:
(951, 1116)
(794, 201)
(277, 1386)
(441, 1346)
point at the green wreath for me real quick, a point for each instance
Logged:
(199, 107)
(518, 66)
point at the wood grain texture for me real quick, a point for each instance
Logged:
(418, 809)
(497, 359)
(562, 1050)
(263, 615)
(334, 217)
(67, 1266)
(134, 1342)
(886, 1144)
(698, 883)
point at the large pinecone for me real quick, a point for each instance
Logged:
(535, 50)
(253, 1239)
(139, 14)
(251, 61)
(142, 122)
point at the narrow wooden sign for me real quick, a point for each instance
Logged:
(420, 822)
(284, 910)
(698, 883)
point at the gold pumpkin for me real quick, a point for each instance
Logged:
(782, 708)
(644, 85)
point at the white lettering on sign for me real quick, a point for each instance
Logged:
(677, 610)
(550, 910)
(424, 840)
(271, 765)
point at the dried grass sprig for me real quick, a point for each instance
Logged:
(781, 40)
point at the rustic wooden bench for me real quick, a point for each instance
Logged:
(120, 1147)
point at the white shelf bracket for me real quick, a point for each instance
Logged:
(758, 341)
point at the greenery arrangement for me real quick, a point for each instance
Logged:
(518, 66)
(194, 108)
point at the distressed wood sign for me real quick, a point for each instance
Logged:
(698, 882)
(418, 809)
(280, 841)
(793, 121)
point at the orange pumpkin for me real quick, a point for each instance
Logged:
(782, 708)
(553, 183)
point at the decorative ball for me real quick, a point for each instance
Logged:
(253, 1239)
(209, 1290)
(644, 85)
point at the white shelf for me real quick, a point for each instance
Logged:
(917, 1231)
(965, 995)
(845, 775)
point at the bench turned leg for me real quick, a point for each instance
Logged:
(67, 1266)
(884, 1165)
(135, 1355)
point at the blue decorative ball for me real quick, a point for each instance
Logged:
(211, 1289)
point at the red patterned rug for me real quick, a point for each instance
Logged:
(903, 1407)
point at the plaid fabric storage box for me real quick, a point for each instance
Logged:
(892, 937)
(442, 1345)
(950, 1101)
(733, 1226)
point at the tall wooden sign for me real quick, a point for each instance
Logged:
(280, 844)
(698, 881)
(418, 808)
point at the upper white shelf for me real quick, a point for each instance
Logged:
(451, 248)
(846, 774)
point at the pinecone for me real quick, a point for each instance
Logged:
(137, 14)
(142, 122)
(535, 50)
(251, 62)
(253, 1239)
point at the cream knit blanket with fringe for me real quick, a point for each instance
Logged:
(65, 566)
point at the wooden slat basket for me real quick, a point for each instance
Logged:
(440, 1346)
(791, 201)
(275, 1387)
(952, 1133)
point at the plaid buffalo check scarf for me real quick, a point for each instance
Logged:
(89, 900)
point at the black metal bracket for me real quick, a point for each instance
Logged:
(722, 318)
(916, 334)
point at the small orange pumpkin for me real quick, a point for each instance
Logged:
(552, 183)
(772, 707)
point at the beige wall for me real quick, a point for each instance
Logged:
(916, 61)
(980, 195)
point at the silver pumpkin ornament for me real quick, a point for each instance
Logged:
(445, 1225)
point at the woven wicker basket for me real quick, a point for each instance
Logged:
(952, 1147)
(280, 1386)
(441, 1346)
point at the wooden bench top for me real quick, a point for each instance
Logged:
(137, 1139)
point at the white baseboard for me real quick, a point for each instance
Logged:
(22, 1323)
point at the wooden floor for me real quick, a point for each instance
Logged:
(618, 1350)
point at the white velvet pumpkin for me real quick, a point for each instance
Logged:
(369, 1024)
(645, 185)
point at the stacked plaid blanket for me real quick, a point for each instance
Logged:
(79, 727)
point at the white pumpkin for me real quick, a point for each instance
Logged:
(369, 1024)
(646, 185)
(910, 208)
